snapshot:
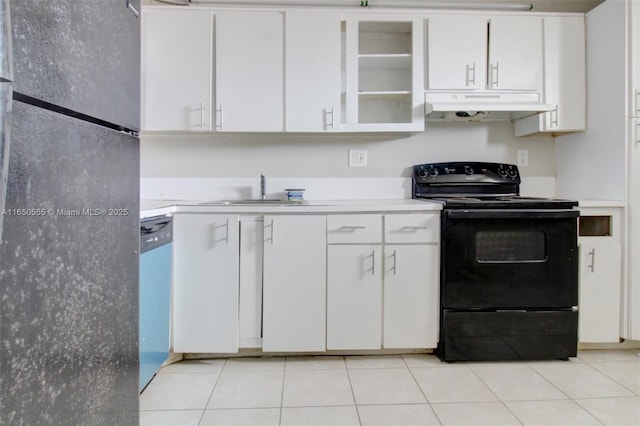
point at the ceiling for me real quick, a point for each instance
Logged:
(538, 5)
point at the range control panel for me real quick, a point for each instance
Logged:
(466, 173)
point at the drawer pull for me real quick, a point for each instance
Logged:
(413, 228)
(592, 265)
(350, 228)
(395, 259)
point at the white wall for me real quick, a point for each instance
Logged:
(285, 155)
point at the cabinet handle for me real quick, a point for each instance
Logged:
(330, 124)
(637, 97)
(637, 138)
(413, 228)
(213, 232)
(350, 228)
(219, 122)
(471, 71)
(554, 117)
(592, 265)
(494, 70)
(226, 238)
(373, 262)
(270, 239)
(395, 259)
(202, 115)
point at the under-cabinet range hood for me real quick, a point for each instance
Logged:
(482, 106)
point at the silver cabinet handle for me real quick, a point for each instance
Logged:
(213, 231)
(329, 124)
(373, 262)
(350, 228)
(554, 117)
(637, 138)
(219, 122)
(592, 265)
(202, 115)
(494, 70)
(270, 239)
(413, 228)
(637, 97)
(471, 74)
(226, 238)
(395, 259)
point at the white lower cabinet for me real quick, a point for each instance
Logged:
(600, 275)
(205, 283)
(294, 283)
(250, 303)
(384, 294)
(354, 296)
(411, 306)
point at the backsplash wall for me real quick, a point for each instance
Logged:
(299, 155)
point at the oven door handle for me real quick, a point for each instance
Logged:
(511, 214)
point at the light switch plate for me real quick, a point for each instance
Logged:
(357, 158)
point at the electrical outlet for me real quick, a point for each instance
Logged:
(522, 157)
(357, 158)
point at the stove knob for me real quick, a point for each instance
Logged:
(513, 172)
(468, 170)
(502, 171)
(432, 172)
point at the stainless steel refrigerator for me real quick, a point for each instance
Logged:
(70, 243)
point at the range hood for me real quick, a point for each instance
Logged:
(482, 106)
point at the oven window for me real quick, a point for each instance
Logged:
(511, 246)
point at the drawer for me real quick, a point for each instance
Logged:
(412, 228)
(357, 228)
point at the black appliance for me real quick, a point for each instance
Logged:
(70, 85)
(509, 265)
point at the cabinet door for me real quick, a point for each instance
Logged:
(411, 306)
(354, 297)
(599, 304)
(250, 304)
(205, 283)
(457, 52)
(249, 71)
(634, 8)
(176, 70)
(312, 46)
(294, 283)
(515, 53)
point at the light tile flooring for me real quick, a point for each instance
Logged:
(598, 387)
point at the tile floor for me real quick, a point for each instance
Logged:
(598, 387)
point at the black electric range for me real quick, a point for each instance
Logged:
(509, 264)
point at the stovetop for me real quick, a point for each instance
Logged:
(477, 185)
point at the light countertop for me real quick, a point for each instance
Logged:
(150, 208)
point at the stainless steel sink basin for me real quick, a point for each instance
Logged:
(246, 202)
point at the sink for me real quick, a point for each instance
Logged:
(246, 202)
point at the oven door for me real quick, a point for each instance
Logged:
(509, 259)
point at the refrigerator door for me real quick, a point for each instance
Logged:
(69, 273)
(6, 63)
(80, 55)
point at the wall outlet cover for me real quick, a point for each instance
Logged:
(357, 158)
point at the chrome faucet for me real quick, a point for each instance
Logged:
(263, 187)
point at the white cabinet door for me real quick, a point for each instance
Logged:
(599, 304)
(564, 79)
(249, 71)
(457, 52)
(411, 305)
(635, 58)
(354, 296)
(294, 283)
(205, 283)
(250, 304)
(312, 46)
(176, 69)
(515, 53)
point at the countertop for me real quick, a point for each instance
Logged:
(150, 208)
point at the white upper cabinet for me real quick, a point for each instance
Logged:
(478, 53)
(383, 73)
(176, 69)
(635, 58)
(515, 53)
(457, 57)
(564, 79)
(312, 64)
(249, 71)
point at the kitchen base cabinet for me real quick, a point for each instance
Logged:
(354, 296)
(294, 283)
(250, 304)
(411, 277)
(205, 283)
(600, 275)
